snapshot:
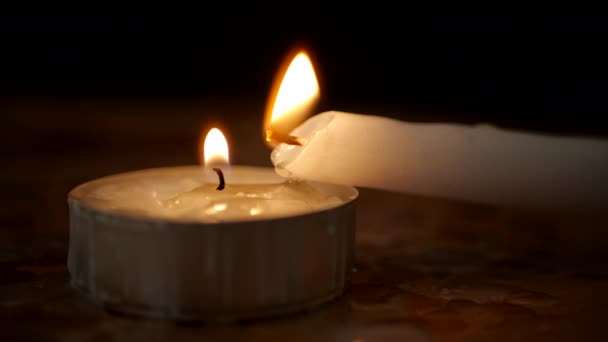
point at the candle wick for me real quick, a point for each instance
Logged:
(220, 175)
(280, 138)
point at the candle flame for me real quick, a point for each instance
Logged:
(215, 150)
(292, 99)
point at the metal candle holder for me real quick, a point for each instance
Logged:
(210, 271)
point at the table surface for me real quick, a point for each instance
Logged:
(425, 268)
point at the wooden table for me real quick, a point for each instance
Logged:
(426, 268)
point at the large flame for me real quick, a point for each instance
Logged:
(215, 151)
(293, 98)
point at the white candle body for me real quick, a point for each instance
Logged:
(476, 163)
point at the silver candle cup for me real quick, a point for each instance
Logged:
(210, 271)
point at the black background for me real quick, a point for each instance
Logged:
(87, 96)
(537, 73)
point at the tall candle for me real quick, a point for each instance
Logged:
(475, 163)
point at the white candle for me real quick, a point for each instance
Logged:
(476, 163)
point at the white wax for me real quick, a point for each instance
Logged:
(476, 163)
(184, 194)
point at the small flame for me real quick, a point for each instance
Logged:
(293, 98)
(215, 151)
(299, 87)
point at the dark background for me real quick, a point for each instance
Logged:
(84, 96)
(541, 73)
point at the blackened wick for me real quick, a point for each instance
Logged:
(220, 174)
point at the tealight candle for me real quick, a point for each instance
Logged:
(195, 195)
(214, 243)
(164, 242)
